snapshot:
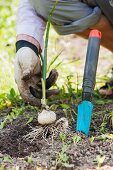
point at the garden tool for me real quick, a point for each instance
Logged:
(86, 107)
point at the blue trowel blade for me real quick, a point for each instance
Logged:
(85, 110)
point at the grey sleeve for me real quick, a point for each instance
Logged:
(29, 23)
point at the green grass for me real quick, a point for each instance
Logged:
(7, 44)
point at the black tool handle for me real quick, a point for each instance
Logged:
(91, 64)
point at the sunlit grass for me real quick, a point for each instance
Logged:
(6, 74)
(8, 10)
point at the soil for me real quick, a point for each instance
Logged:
(45, 150)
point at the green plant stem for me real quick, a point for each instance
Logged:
(44, 66)
(43, 101)
(41, 57)
(45, 55)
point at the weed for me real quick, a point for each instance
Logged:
(104, 137)
(65, 106)
(30, 160)
(62, 156)
(62, 137)
(52, 62)
(4, 102)
(100, 102)
(53, 107)
(3, 124)
(7, 159)
(30, 119)
(111, 118)
(100, 160)
(2, 167)
(12, 95)
(10, 99)
(70, 89)
(92, 139)
(16, 112)
(76, 139)
(103, 127)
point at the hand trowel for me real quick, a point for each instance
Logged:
(85, 108)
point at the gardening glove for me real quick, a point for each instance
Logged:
(28, 76)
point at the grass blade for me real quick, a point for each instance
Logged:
(53, 60)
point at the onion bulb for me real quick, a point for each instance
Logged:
(46, 117)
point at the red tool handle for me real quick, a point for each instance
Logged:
(95, 33)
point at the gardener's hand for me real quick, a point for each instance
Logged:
(28, 76)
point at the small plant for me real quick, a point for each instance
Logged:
(51, 64)
(4, 102)
(100, 102)
(2, 167)
(105, 137)
(16, 112)
(30, 159)
(70, 89)
(92, 139)
(13, 97)
(103, 127)
(65, 109)
(65, 106)
(111, 118)
(76, 139)
(62, 137)
(63, 158)
(30, 119)
(100, 160)
(7, 159)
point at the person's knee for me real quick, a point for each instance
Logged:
(103, 25)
